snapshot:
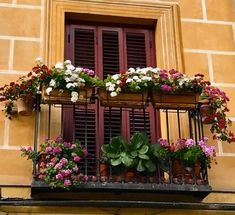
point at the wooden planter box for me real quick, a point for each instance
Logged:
(64, 97)
(185, 100)
(125, 100)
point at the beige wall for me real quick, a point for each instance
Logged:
(208, 33)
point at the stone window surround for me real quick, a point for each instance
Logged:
(165, 14)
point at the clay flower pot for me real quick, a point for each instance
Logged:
(207, 113)
(25, 107)
(103, 172)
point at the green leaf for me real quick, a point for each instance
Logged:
(116, 162)
(150, 166)
(140, 166)
(145, 157)
(144, 149)
(127, 161)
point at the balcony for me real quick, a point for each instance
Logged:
(168, 119)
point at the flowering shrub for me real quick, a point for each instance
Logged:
(133, 80)
(189, 152)
(59, 162)
(64, 76)
(174, 81)
(154, 78)
(218, 100)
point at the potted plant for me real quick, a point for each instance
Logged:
(214, 109)
(143, 159)
(173, 89)
(118, 156)
(188, 157)
(68, 83)
(59, 162)
(128, 89)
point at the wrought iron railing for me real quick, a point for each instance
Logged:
(170, 123)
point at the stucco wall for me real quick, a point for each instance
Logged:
(208, 33)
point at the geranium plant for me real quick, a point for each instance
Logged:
(190, 152)
(59, 162)
(66, 77)
(218, 101)
(134, 80)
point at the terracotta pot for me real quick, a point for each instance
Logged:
(207, 113)
(25, 107)
(103, 172)
(129, 176)
(186, 100)
(63, 97)
(128, 100)
(187, 174)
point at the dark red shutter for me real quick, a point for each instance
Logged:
(110, 55)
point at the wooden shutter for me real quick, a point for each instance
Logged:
(110, 55)
(85, 132)
(84, 48)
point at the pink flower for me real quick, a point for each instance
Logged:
(165, 87)
(48, 149)
(59, 166)
(67, 183)
(77, 158)
(57, 150)
(64, 161)
(67, 144)
(73, 146)
(59, 176)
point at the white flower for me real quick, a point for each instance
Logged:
(131, 70)
(135, 77)
(67, 62)
(74, 94)
(118, 82)
(129, 80)
(113, 94)
(78, 69)
(116, 77)
(69, 85)
(111, 88)
(108, 84)
(70, 67)
(119, 89)
(52, 83)
(68, 72)
(67, 80)
(48, 90)
(59, 65)
(146, 78)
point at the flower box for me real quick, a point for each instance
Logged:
(63, 97)
(124, 99)
(187, 100)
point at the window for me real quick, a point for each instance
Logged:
(107, 50)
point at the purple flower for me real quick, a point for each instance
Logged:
(165, 87)
(163, 142)
(67, 183)
(189, 142)
(77, 158)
